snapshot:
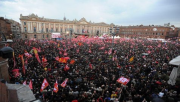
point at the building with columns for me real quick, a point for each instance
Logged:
(36, 27)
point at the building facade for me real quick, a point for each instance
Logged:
(16, 29)
(36, 27)
(150, 31)
(5, 28)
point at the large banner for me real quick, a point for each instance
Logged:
(56, 35)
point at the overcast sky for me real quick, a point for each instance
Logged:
(119, 12)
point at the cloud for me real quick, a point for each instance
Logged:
(121, 12)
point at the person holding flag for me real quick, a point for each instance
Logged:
(55, 87)
(44, 85)
(64, 83)
(131, 59)
(30, 85)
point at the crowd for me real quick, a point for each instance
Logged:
(97, 65)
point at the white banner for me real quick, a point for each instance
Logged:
(56, 35)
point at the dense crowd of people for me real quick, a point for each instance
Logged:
(97, 65)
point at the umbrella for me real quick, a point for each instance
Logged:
(175, 61)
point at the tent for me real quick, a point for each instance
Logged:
(176, 70)
(175, 61)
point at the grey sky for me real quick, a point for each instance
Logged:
(119, 12)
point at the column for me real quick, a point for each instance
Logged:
(31, 27)
(44, 28)
(63, 28)
(80, 28)
(28, 23)
(73, 28)
(40, 26)
(37, 27)
(22, 27)
(54, 28)
(59, 29)
(89, 29)
(49, 28)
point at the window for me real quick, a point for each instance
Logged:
(65, 29)
(56, 29)
(42, 30)
(42, 24)
(34, 35)
(61, 30)
(43, 36)
(34, 29)
(162, 33)
(46, 29)
(26, 36)
(47, 36)
(24, 23)
(25, 30)
(51, 29)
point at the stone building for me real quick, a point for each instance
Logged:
(36, 27)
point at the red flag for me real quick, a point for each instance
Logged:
(113, 58)
(36, 54)
(62, 60)
(72, 61)
(57, 58)
(89, 51)
(14, 60)
(77, 50)
(23, 67)
(118, 66)
(44, 59)
(27, 54)
(24, 83)
(80, 44)
(44, 85)
(90, 66)
(39, 49)
(16, 72)
(110, 51)
(123, 80)
(30, 84)
(66, 68)
(55, 87)
(65, 53)
(64, 83)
